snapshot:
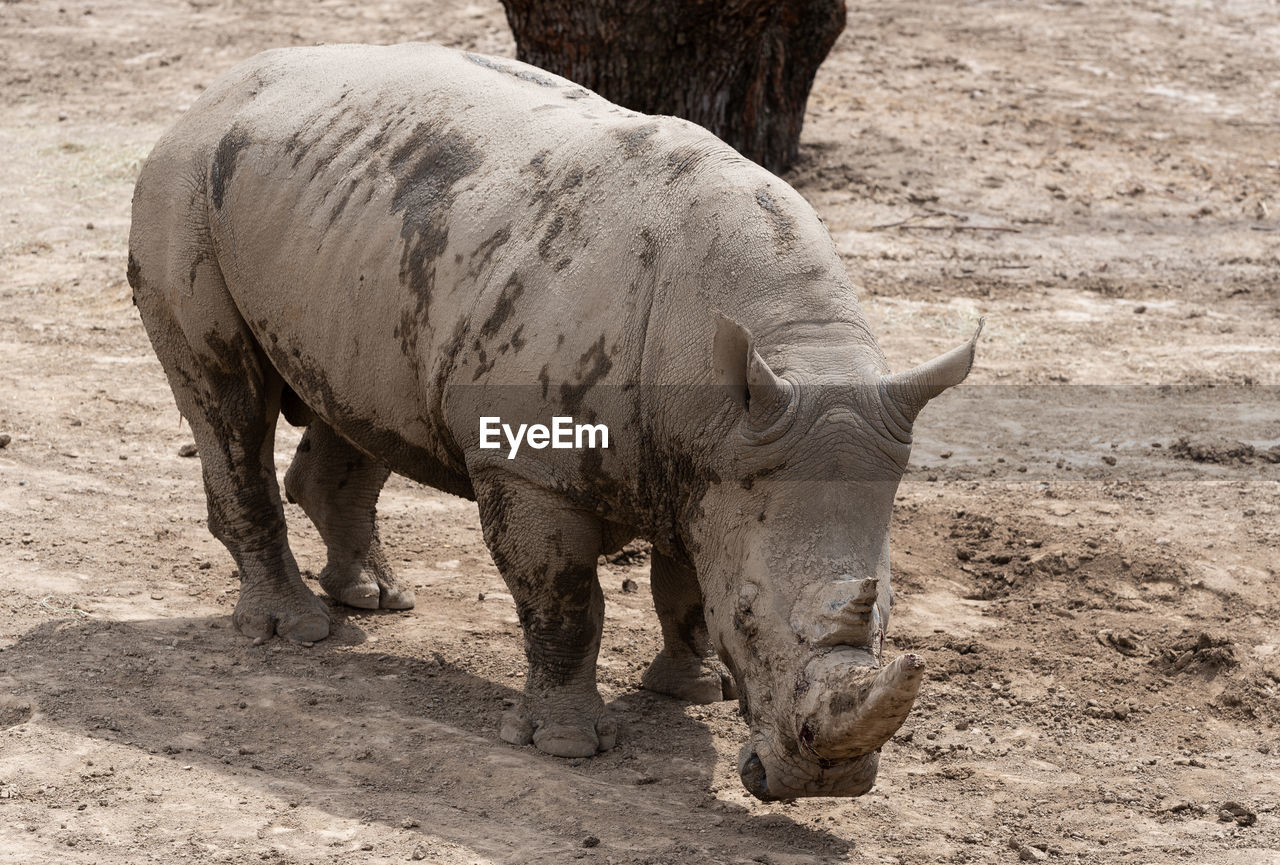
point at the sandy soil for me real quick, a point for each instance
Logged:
(1100, 614)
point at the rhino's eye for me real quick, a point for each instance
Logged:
(769, 419)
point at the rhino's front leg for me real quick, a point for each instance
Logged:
(687, 667)
(546, 551)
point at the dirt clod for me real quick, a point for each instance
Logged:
(1213, 449)
(1126, 642)
(1201, 651)
(1234, 811)
(634, 553)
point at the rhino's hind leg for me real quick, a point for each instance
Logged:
(338, 487)
(231, 397)
(687, 667)
(546, 550)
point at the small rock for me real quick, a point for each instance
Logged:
(480, 597)
(1124, 642)
(366, 846)
(419, 853)
(5, 438)
(1237, 812)
(1109, 460)
(1032, 854)
(1140, 308)
(409, 823)
(89, 226)
(188, 450)
(591, 841)
(630, 586)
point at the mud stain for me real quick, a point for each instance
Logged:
(427, 167)
(594, 365)
(531, 76)
(783, 229)
(224, 164)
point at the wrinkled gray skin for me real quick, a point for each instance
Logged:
(386, 244)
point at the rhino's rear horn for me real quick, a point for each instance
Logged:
(852, 710)
(905, 394)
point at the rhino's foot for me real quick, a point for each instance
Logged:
(560, 735)
(291, 611)
(371, 586)
(691, 678)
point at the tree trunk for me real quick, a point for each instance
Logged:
(741, 68)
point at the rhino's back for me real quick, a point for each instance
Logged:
(392, 220)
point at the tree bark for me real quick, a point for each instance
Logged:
(740, 68)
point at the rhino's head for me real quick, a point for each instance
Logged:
(792, 551)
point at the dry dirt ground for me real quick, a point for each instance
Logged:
(1100, 614)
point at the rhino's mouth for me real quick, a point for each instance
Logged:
(851, 707)
(753, 775)
(771, 780)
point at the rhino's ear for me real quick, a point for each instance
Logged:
(729, 355)
(907, 392)
(766, 398)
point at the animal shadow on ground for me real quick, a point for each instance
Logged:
(380, 737)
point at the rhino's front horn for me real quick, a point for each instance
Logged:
(906, 393)
(851, 709)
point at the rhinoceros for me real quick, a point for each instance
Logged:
(388, 244)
